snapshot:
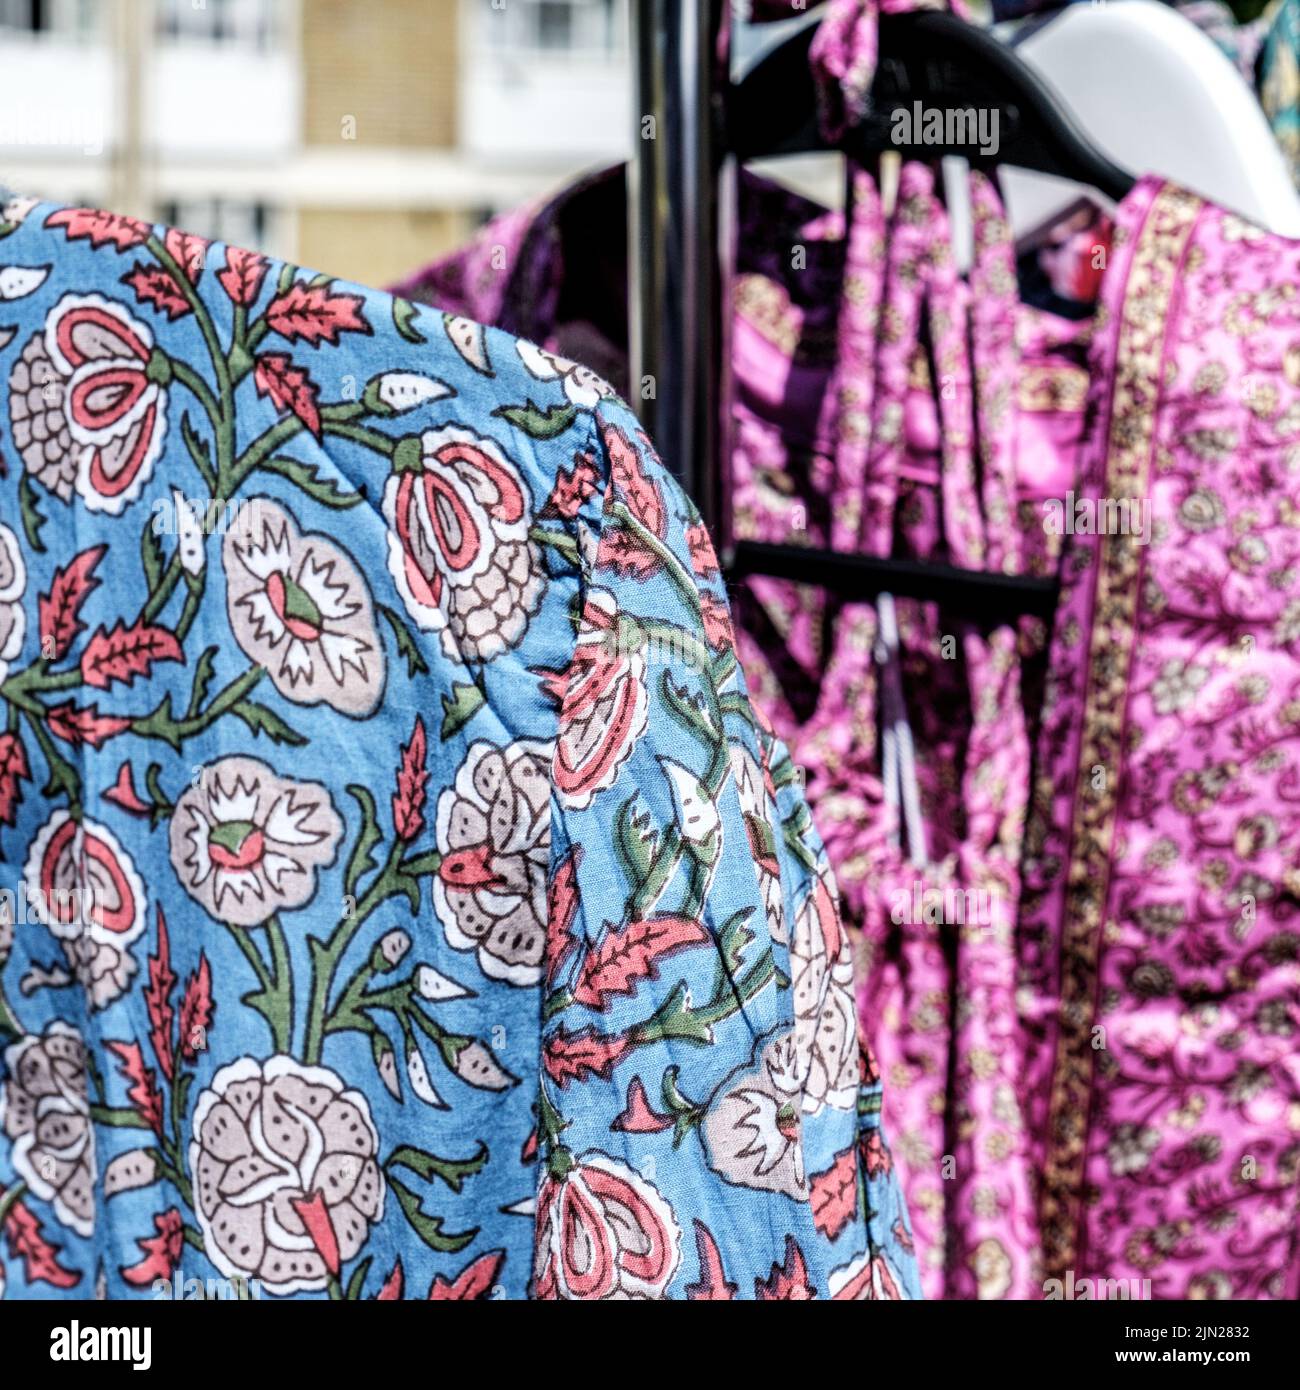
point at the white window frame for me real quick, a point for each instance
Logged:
(76, 20)
(255, 24)
(598, 28)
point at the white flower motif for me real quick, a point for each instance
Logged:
(45, 1111)
(494, 835)
(695, 810)
(298, 604)
(418, 1075)
(83, 885)
(398, 392)
(189, 534)
(15, 209)
(18, 281)
(283, 1159)
(757, 807)
(246, 843)
(1177, 685)
(752, 1129)
(87, 411)
(581, 385)
(13, 583)
(436, 987)
(826, 1025)
(605, 704)
(459, 544)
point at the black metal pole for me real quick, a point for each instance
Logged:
(680, 60)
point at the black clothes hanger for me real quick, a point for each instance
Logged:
(981, 595)
(946, 65)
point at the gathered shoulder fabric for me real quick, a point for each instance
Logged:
(404, 900)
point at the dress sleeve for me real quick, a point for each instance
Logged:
(707, 1121)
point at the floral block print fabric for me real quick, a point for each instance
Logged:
(1159, 931)
(843, 412)
(403, 897)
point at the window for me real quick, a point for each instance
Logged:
(247, 22)
(77, 19)
(556, 26)
(240, 224)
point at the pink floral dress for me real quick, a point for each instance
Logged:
(1160, 926)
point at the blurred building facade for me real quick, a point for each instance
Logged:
(361, 137)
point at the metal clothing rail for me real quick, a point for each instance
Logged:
(689, 118)
(681, 62)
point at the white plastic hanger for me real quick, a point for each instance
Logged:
(1157, 96)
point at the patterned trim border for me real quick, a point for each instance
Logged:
(1044, 390)
(1157, 258)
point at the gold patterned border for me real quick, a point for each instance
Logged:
(1157, 257)
(1047, 389)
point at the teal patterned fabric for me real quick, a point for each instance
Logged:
(1279, 80)
(401, 896)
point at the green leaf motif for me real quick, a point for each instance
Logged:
(674, 1018)
(760, 835)
(458, 708)
(404, 313)
(407, 646)
(636, 842)
(63, 778)
(162, 806)
(358, 1280)
(559, 541)
(151, 557)
(118, 1117)
(265, 721)
(796, 829)
(183, 1088)
(674, 1097)
(404, 882)
(536, 422)
(452, 1171)
(734, 937)
(688, 710)
(203, 671)
(160, 722)
(428, 1228)
(686, 1113)
(33, 518)
(308, 478)
(198, 450)
(362, 858)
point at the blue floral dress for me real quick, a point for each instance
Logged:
(403, 898)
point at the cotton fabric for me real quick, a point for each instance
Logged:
(412, 903)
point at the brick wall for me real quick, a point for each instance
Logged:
(388, 64)
(375, 248)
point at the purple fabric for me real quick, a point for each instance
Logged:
(944, 1017)
(842, 434)
(1159, 936)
